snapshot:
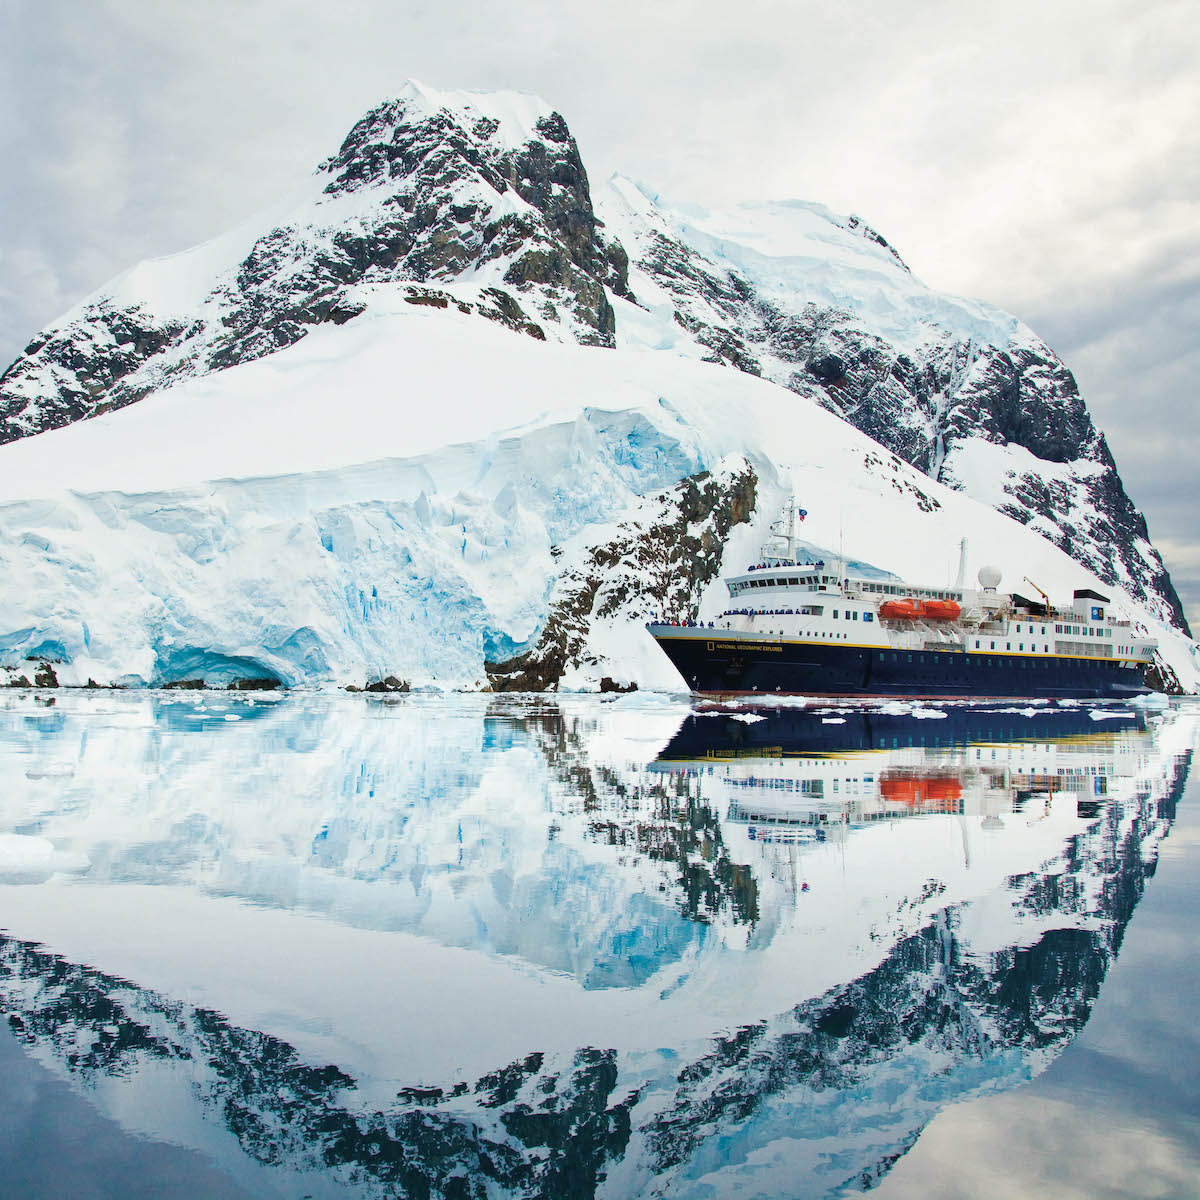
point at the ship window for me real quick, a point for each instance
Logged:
(867, 617)
(993, 645)
(1021, 646)
(1018, 628)
(1008, 645)
(793, 580)
(835, 613)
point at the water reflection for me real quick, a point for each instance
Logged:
(467, 947)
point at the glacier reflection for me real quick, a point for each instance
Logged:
(466, 946)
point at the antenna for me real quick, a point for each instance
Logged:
(962, 565)
(841, 546)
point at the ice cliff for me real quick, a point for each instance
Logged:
(443, 416)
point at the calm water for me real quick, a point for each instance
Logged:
(468, 947)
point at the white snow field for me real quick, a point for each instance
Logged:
(399, 494)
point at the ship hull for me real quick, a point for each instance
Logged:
(714, 661)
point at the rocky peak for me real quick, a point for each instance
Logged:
(427, 188)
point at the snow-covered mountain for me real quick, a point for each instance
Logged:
(444, 415)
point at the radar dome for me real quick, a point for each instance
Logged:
(989, 578)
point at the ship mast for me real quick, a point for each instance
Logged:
(787, 522)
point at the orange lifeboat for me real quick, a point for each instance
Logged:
(933, 793)
(900, 610)
(940, 610)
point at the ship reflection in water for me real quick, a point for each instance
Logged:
(459, 947)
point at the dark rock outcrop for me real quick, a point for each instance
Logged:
(656, 567)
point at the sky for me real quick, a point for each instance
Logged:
(1044, 157)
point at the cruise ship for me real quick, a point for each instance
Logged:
(810, 628)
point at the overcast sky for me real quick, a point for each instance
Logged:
(1044, 156)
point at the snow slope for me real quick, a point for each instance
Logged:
(226, 528)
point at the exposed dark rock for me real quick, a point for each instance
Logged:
(184, 685)
(432, 174)
(608, 684)
(388, 684)
(657, 566)
(1160, 678)
(44, 676)
(429, 225)
(919, 408)
(260, 684)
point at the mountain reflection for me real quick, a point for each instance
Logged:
(797, 936)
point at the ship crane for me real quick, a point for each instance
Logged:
(1049, 607)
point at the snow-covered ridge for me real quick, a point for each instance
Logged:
(516, 114)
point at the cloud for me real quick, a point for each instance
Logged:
(1067, 1148)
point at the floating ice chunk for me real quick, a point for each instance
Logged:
(928, 714)
(24, 857)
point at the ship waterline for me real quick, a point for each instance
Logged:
(710, 660)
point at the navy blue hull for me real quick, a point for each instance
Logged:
(723, 664)
(792, 732)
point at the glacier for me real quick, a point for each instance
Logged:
(225, 529)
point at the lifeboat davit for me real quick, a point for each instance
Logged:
(900, 610)
(940, 610)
